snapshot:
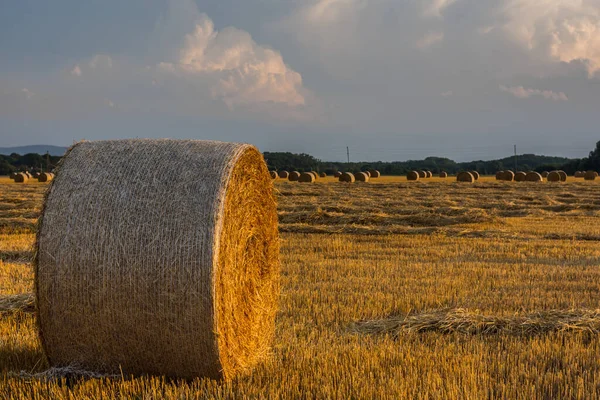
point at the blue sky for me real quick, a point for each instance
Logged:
(393, 80)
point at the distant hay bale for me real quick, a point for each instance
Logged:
(563, 175)
(508, 176)
(347, 177)
(36, 174)
(314, 174)
(374, 173)
(520, 176)
(413, 176)
(465, 176)
(294, 176)
(590, 175)
(429, 174)
(553, 176)
(21, 177)
(45, 177)
(499, 175)
(284, 174)
(422, 174)
(12, 175)
(475, 175)
(545, 174)
(579, 174)
(126, 283)
(533, 176)
(323, 175)
(29, 176)
(307, 177)
(362, 177)
(337, 174)
(443, 174)
(273, 174)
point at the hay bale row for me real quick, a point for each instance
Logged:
(45, 176)
(122, 287)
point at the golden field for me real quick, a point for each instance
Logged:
(387, 251)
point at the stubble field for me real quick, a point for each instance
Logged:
(390, 289)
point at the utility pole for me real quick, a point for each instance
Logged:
(348, 153)
(515, 158)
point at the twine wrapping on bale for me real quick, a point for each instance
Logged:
(44, 177)
(284, 174)
(563, 175)
(294, 176)
(475, 175)
(590, 175)
(21, 177)
(306, 177)
(520, 176)
(374, 173)
(413, 176)
(347, 177)
(443, 174)
(362, 177)
(465, 177)
(553, 176)
(508, 176)
(533, 176)
(173, 274)
(274, 174)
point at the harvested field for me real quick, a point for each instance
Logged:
(396, 289)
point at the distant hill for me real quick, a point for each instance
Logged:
(37, 149)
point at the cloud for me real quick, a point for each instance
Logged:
(435, 8)
(429, 40)
(525, 93)
(27, 93)
(101, 61)
(76, 71)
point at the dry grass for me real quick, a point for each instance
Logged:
(510, 252)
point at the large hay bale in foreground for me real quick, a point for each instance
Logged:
(362, 177)
(563, 175)
(347, 177)
(422, 174)
(465, 177)
(44, 177)
(294, 176)
(533, 176)
(475, 175)
(174, 275)
(443, 174)
(374, 173)
(520, 176)
(413, 176)
(284, 174)
(590, 175)
(307, 177)
(508, 176)
(21, 177)
(553, 176)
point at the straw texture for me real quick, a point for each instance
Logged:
(158, 257)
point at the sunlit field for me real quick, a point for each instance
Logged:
(390, 289)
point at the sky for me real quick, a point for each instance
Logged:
(390, 79)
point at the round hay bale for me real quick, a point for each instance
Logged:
(313, 173)
(533, 176)
(563, 176)
(422, 174)
(590, 175)
(475, 175)
(12, 175)
(553, 176)
(429, 174)
(545, 174)
(508, 176)
(45, 177)
(520, 176)
(284, 174)
(294, 176)
(347, 177)
(374, 173)
(443, 174)
(21, 177)
(499, 175)
(36, 174)
(307, 177)
(413, 176)
(274, 174)
(465, 177)
(578, 174)
(337, 174)
(362, 177)
(323, 175)
(171, 276)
